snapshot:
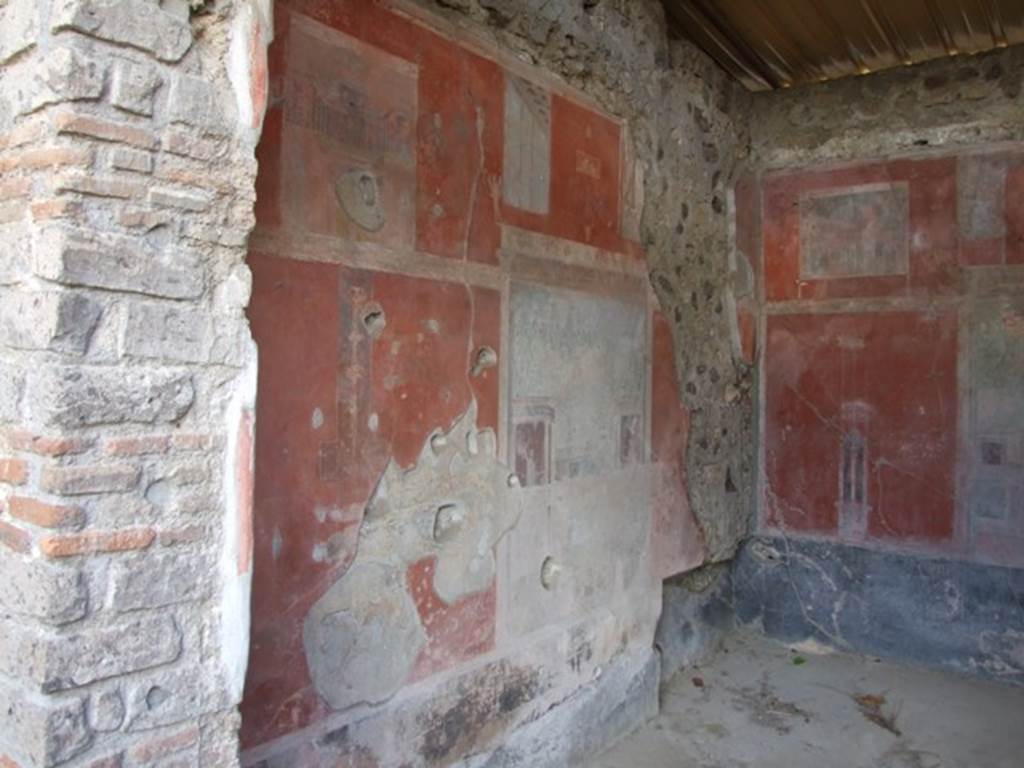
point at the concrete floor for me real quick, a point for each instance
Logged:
(757, 704)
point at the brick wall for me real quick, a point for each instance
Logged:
(126, 377)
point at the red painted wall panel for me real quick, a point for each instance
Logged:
(585, 176)
(678, 543)
(882, 388)
(455, 632)
(929, 228)
(891, 377)
(373, 399)
(288, 487)
(459, 154)
(340, 397)
(422, 360)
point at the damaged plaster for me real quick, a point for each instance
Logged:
(688, 123)
(363, 636)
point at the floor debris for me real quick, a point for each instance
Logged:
(757, 709)
(872, 706)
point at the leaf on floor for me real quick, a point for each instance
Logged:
(872, 706)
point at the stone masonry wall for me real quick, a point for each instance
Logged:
(963, 101)
(127, 132)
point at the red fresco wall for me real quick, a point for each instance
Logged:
(678, 543)
(875, 350)
(334, 405)
(892, 377)
(747, 244)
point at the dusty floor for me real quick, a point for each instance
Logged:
(760, 704)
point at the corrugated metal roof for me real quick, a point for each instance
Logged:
(770, 44)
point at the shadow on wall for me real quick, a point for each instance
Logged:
(697, 613)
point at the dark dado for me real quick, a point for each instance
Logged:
(948, 614)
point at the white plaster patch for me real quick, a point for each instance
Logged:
(251, 33)
(236, 587)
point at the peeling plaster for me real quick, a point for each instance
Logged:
(363, 636)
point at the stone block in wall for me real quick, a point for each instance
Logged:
(194, 101)
(16, 249)
(44, 445)
(88, 396)
(154, 582)
(135, 23)
(231, 344)
(166, 331)
(92, 542)
(172, 695)
(51, 593)
(12, 387)
(19, 20)
(54, 663)
(120, 264)
(186, 201)
(135, 160)
(219, 741)
(91, 184)
(13, 471)
(59, 322)
(234, 291)
(133, 87)
(70, 123)
(43, 731)
(15, 538)
(63, 74)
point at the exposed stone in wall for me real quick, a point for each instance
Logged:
(688, 123)
(699, 157)
(125, 202)
(967, 100)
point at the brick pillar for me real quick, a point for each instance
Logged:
(127, 377)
